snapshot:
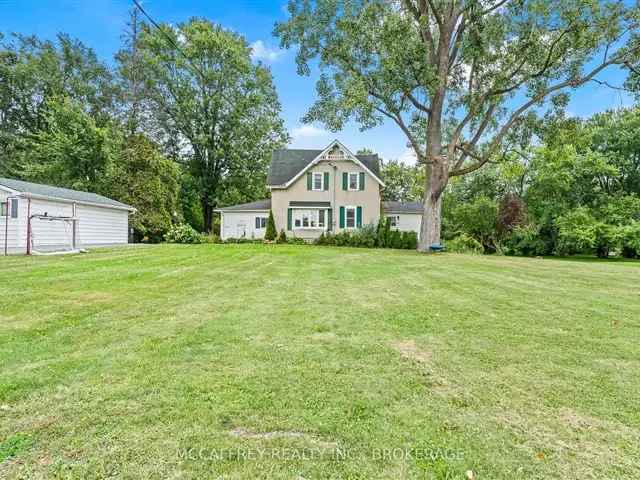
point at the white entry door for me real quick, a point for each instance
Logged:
(241, 229)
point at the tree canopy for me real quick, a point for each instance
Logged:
(220, 108)
(457, 76)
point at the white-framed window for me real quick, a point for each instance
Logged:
(261, 222)
(394, 220)
(10, 207)
(350, 217)
(354, 181)
(318, 181)
(308, 218)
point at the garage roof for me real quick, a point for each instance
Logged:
(258, 205)
(48, 191)
(402, 207)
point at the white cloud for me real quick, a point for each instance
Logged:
(260, 51)
(308, 131)
(408, 157)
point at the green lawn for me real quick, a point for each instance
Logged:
(295, 362)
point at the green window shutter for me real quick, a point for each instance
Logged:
(358, 217)
(329, 220)
(309, 179)
(326, 180)
(345, 180)
(341, 217)
(361, 180)
(289, 218)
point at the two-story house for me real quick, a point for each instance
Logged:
(313, 191)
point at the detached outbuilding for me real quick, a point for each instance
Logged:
(41, 218)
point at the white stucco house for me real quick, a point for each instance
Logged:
(42, 218)
(313, 191)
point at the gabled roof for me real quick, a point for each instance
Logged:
(286, 164)
(402, 207)
(258, 205)
(47, 191)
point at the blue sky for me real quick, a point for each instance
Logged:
(100, 23)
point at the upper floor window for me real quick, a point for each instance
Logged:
(354, 181)
(318, 181)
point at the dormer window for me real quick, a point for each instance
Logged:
(318, 181)
(354, 181)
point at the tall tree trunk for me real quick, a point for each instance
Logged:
(207, 215)
(435, 183)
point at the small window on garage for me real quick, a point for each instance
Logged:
(394, 220)
(3, 209)
(14, 208)
(261, 222)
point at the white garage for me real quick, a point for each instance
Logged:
(248, 220)
(404, 216)
(37, 218)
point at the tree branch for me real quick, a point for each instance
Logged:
(573, 83)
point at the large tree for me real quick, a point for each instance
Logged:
(456, 76)
(218, 109)
(36, 74)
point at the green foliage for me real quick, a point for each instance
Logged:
(464, 243)
(14, 446)
(580, 232)
(479, 219)
(282, 237)
(70, 149)
(370, 236)
(184, 233)
(382, 231)
(142, 177)
(403, 183)
(527, 241)
(228, 94)
(271, 233)
(630, 240)
(36, 75)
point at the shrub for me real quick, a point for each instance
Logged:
(183, 233)
(296, 241)
(409, 240)
(630, 240)
(395, 239)
(580, 232)
(271, 232)
(478, 219)
(282, 238)
(211, 238)
(381, 232)
(465, 243)
(364, 237)
(511, 213)
(526, 241)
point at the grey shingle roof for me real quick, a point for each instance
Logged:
(402, 207)
(61, 193)
(257, 205)
(286, 163)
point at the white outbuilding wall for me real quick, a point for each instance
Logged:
(96, 226)
(102, 226)
(407, 222)
(242, 225)
(12, 228)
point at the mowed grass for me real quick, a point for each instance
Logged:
(298, 362)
